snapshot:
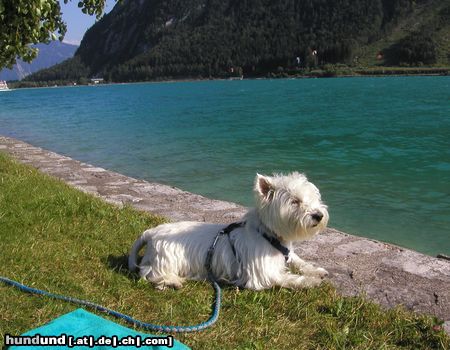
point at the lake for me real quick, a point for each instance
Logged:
(377, 148)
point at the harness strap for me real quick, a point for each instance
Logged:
(209, 255)
(275, 242)
(227, 230)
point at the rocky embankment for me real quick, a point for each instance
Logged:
(385, 273)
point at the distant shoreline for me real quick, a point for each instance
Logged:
(327, 72)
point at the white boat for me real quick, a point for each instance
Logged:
(3, 86)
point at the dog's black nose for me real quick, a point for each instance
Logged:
(317, 216)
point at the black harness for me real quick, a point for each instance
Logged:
(275, 242)
(209, 255)
(277, 245)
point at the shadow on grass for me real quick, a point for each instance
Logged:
(119, 264)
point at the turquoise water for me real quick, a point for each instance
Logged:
(378, 148)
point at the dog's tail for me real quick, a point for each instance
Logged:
(138, 244)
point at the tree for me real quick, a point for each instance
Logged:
(26, 22)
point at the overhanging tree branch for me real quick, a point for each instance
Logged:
(27, 22)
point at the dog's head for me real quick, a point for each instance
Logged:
(290, 206)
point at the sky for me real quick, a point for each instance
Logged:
(77, 22)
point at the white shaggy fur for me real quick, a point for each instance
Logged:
(288, 207)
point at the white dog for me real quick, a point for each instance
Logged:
(253, 254)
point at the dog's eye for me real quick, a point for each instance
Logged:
(295, 201)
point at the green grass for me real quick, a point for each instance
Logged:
(61, 240)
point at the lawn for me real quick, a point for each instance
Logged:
(59, 239)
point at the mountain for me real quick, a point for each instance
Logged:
(161, 39)
(49, 55)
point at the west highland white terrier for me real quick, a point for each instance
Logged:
(254, 253)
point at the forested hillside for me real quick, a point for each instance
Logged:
(157, 39)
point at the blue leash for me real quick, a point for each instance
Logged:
(154, 327)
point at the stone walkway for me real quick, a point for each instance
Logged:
(387, 274)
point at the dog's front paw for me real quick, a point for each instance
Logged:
(299, 282)
(314, 271)
(311, 281)
(321, 273)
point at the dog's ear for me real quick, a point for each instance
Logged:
(264, 187)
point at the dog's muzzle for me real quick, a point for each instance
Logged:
(317, 217)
